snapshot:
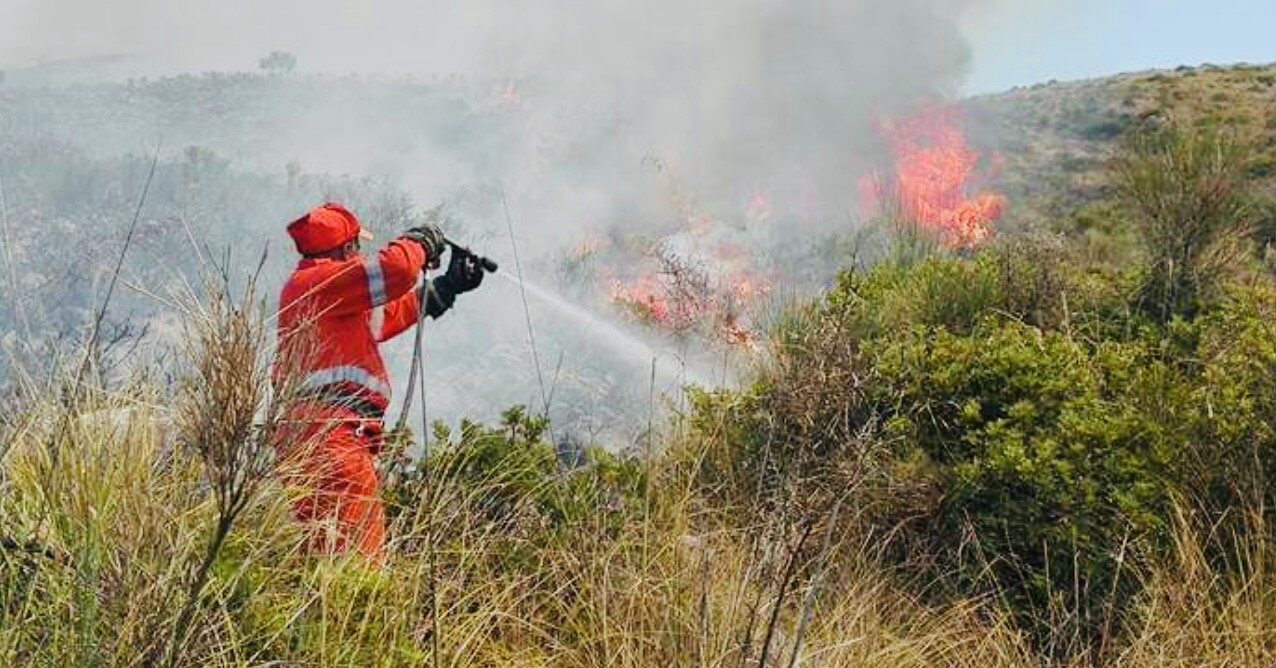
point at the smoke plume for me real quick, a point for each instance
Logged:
(583, 117)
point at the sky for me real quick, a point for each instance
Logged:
(1031, 41)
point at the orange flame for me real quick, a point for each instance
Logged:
(644, 298)
(759, 208)
(508, 96)
(935, 170)
(719, 308)
(694, 279)
(588, 247)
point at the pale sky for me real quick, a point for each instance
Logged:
(1021, 42)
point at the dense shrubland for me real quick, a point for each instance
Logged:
(1025, 423)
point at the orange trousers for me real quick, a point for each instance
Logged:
(331, 468)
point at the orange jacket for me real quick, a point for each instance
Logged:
(332, 315)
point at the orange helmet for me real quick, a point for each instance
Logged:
(324, 228)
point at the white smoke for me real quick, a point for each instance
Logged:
(597, 109)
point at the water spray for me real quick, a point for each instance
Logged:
(616, 341)
(619, 343)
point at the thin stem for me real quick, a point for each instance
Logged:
(527, 313)
(172, 654)
(790, 570)
(115, 275)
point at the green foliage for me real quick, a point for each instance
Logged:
(1013, 419)
(1186, 193)
(1105, 129)
(1051, 452)
(278, 62)
(515, 476)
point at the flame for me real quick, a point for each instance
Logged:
(508, 96)
(759, 209)
(739, 335)
(588, 247)
(935, 172)
(706, 276)
(746, 287)
(644, 299)
(677, 305)
(698, 277)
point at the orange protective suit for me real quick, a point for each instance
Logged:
(332, 314)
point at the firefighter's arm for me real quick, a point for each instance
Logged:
(361, 286)
(395, 271)
(435, 296)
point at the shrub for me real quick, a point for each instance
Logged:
(1010, 422)
(1050, 452)
(1186, 193)
(278, 62)
(510, 475)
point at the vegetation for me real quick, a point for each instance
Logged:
(1057, 140)
(1025, 424)
(1055, 450)
(278, 62)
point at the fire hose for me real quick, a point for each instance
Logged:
(415, 375)
(415, 370)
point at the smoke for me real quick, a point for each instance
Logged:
(584, 116)
(735, 95)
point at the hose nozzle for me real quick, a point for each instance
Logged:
(488, 265)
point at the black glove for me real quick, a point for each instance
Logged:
(431, 239)
(464, 273)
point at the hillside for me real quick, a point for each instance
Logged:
(1055, 139)
(242, 152)
(1049, 447)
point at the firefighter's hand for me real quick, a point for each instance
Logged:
(431, 239)
(464, 273)
(464, 270)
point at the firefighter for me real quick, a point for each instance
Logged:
(335, 309)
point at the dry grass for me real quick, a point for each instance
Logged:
(127, 509)
(131, 519)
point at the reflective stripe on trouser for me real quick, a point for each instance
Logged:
(347, 374)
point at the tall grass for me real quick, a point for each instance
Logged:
(127, 516)
(1187, 194)
(130, 516)
(163, 533)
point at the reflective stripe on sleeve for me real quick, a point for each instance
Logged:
(347, 374)
(376, 281)
(376, 322)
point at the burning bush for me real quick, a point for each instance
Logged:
(935, 182)
(697, 282)
(682, 298)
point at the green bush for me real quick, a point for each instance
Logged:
(1014, 421)
(1186, 193)
(512, 475)
(1051, 453)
